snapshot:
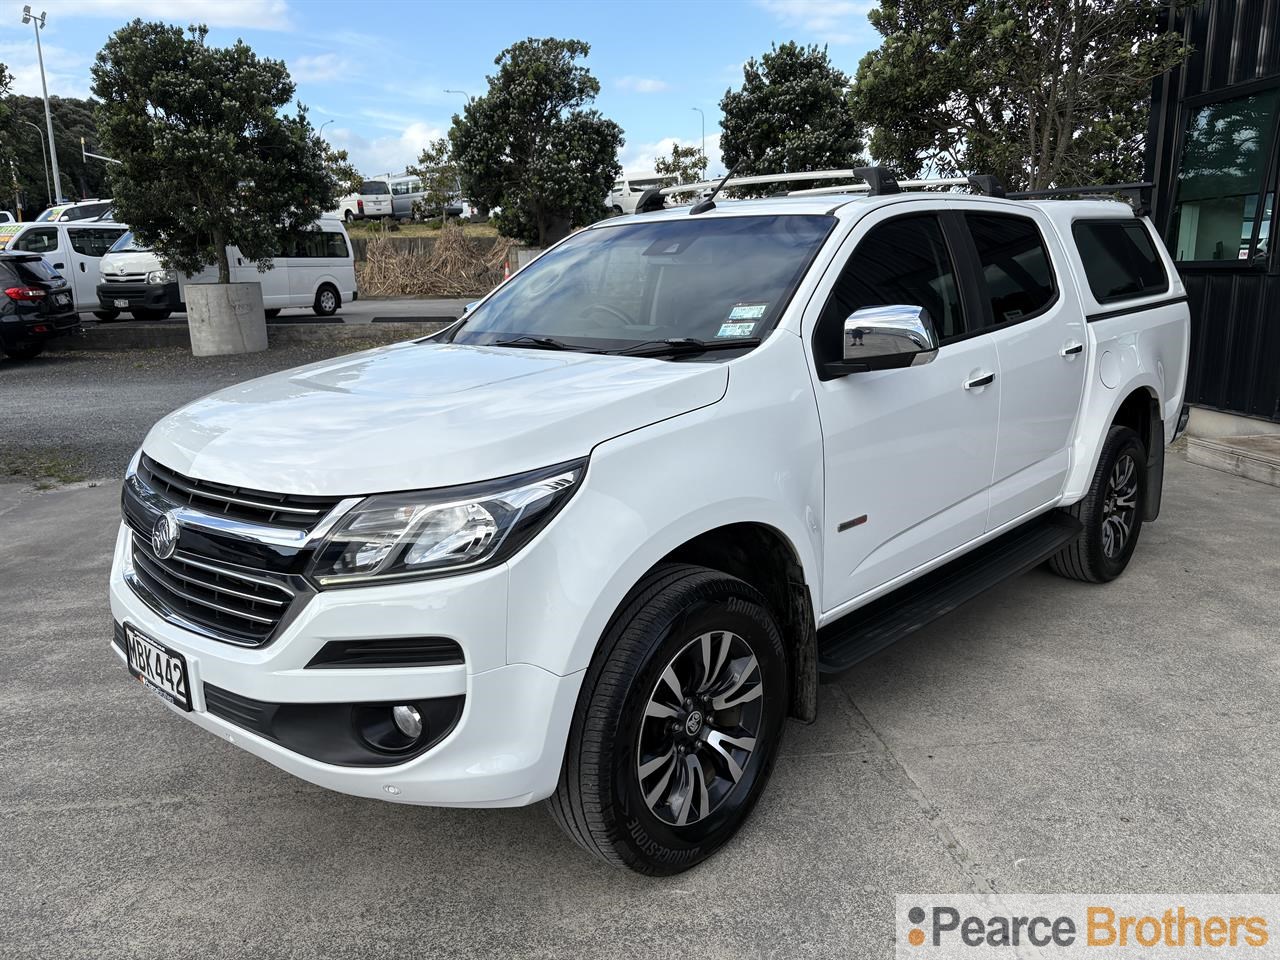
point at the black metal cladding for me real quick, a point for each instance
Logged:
(1235, 304)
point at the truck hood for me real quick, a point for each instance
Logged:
(420, 415)
(132, 261)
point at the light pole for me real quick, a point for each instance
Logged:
(48, 190)
(704, 130)
(464, 93)
(37, 24)
(320, 132)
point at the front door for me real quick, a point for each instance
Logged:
(908, 452)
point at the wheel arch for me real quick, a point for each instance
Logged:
(1135, 405)
(764, 557)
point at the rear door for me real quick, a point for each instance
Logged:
(1035, 321)
(88, 245)
(274, 282)
(908, 452)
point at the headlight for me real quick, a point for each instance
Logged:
(161, 276)
(404, 536)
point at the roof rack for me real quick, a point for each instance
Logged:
(879, 181)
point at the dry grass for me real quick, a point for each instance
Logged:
(368, 229)
(457, 266)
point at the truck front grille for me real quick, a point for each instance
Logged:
(255, 506)
(230, 602)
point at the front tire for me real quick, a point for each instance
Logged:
(107, 316)
(150, 313)
(677, 724)
(1110, 514)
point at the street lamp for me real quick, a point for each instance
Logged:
(704, 130)
(464, 93)
(37, 24)
(48, 190)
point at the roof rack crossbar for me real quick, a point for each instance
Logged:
(1137, 188)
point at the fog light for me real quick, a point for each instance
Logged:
(408, 721)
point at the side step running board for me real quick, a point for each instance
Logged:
(869, 629)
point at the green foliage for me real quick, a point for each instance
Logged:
(1037, 92)
(532, 146)
(72, 119)
(209, 158)
(343, 170)
(439, 176)
(685, 165)
(791, 115)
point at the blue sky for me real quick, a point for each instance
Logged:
(378, 69)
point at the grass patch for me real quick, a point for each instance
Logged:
(364, 229)
(45, 468)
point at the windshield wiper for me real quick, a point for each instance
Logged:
(542, 343)
(677, 346)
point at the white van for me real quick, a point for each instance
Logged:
(317, 271)
(371, 202)
(74, 249)
(628, 188)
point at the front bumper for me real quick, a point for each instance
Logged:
(506, 747)
(134, 296)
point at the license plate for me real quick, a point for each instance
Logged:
(161, 670)
(122, 304)
(62, 299)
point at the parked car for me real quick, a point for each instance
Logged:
(371, 202)
(628, 188)
(598, 539)
(6, 217)
(80, 210)
(317, 270)
(75, 249)
(35, 305)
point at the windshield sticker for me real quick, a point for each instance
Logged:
(737, 329)
(748, 311)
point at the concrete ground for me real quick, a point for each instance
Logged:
(1048, 737)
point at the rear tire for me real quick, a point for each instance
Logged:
(327, 301)
(22, 354)
(677, 723)
(1110, 513)
(349, 217)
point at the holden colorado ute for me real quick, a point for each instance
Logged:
(596, 541)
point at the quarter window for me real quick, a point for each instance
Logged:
(1119, 259)
(37, 240)
(1224, 157)
(1015, 265)
(901, 261)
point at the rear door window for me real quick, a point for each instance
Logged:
(92, 241)
(34, 271)
(1015, 266)
(374, 188)
(37, 240)
(1120, 259)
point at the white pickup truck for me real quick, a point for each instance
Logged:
(596, 541)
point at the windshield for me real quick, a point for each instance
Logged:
(127, 244)
(716, 279)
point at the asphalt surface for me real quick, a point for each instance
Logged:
(1048, 737)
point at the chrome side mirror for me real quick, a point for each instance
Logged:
(884, 338)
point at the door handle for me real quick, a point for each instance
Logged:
(980, 381)
(82, 268)
(59, 266)
(1071, 349)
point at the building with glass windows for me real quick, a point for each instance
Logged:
(1214, 157)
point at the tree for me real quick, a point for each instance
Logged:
(344, 171)
(73, 119)
(208, 155)
(685, 165)
(791, 115)
(440, 178)
(1037, 92)
(532, 146)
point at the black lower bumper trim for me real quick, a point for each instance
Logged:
(331, 732)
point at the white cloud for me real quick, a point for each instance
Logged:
(832, 22)
(255, 14)
(320, 68)
(640, 157)
(643, 85)
(66, 72)
(389, 154)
